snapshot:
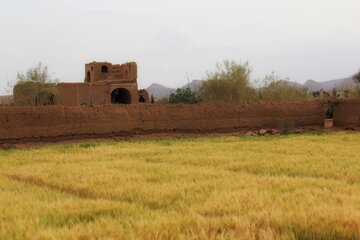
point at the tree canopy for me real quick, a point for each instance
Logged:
(37, 74)
(356, 77)
(36, 82)
(184, 95)
(274, 89)
(230, 83)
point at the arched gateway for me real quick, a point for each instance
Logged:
(121, 96)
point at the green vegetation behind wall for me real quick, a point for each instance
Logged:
(186, 96)
(275, 89)
(230, 83)
(35, 94)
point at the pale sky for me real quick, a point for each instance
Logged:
(173, 39)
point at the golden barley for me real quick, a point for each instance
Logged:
(292, 187)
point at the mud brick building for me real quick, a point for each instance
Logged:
(104, 83)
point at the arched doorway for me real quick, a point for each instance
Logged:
(121, 96)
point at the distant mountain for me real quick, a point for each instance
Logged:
(194, 85)
(289, 83)
(311, 85)
(159, 91)
(347, 83)
(343, 83)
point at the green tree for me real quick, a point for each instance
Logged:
(152, 99)
(184, 95)
(37, 74)
(356, 77)
(230, 83)
(274, 89)
(36, 82)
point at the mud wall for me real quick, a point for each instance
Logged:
(72, 94)
(19, 123)
(347, 113)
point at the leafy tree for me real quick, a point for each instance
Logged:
(230, 83)
(38, 83)
(274, 89)
(184, 95)
(38, 74)
(356, 77)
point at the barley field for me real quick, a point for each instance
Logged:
(283, 187)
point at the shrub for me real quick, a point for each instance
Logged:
(356, 77)
(35, 87)
(34, 93)
(184, 95)
(230, 83)
(37, 74)
(45, 97)
(275, 89)
(329, 110)
(287, 126)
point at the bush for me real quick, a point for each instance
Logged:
(230, 83)
(37, 74)
(275, 89)
(287, 126)
(356, 77)
(34, 93)
(45, 97)
(35, 87)
(329, 110)
(184, 95)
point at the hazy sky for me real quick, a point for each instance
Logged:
(172, 39)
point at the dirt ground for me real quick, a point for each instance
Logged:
(39, 142)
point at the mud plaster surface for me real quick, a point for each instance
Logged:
(61, 123)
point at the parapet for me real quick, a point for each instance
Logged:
(107, 72)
